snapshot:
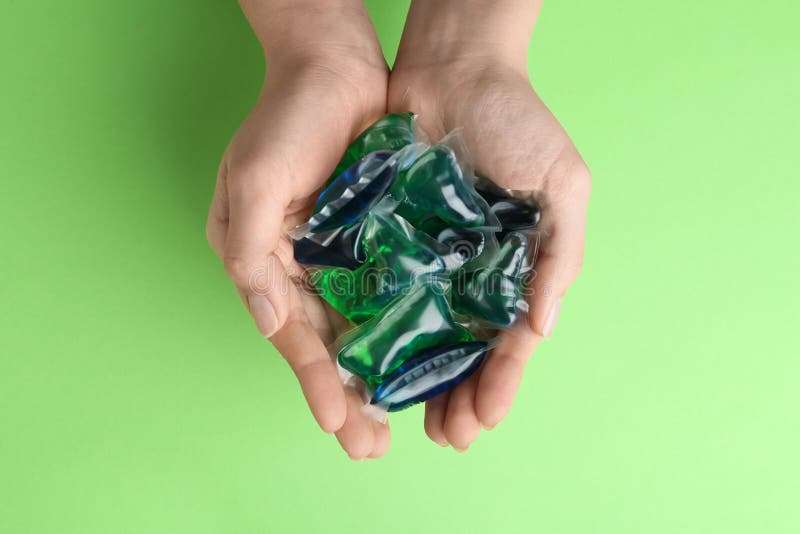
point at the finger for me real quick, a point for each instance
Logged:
(254, 229)
(561, 248)
(217, 224)
(382, 439)
(435, 411)
(304, 351)
(316, 311)
(501, 374)
(357, 436)
(461, 425)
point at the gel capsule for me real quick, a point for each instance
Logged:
(434, 184)
(396, 256)
(429, 373)
(340, 248)
(417, 320)
(391, 132)
(492, 291)
(353, 193)
(468, 243)
(513, 213)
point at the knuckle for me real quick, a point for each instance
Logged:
(575, 267)
(212, 239)
(239, 269)
(581, 175)
(209, 233)
(568, 179)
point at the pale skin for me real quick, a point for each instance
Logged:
(461, 63)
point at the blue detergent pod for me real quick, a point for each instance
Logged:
(351, 195)
(430, 372)
(512, 212)
(357, 190)
(341, 248)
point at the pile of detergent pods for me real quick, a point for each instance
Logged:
(423, 258)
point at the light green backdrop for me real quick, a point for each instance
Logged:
(135, 396)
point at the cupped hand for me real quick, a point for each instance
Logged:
(309, 110)
(517, 143)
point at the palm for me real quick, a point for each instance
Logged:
(306, 304)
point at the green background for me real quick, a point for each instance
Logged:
(136, 396)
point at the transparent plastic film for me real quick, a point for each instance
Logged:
(391, 132)
(424, 260)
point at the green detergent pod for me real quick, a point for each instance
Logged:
(390, 132)
(417, 320)
(434, 185)
(490, 289)
(396, 256)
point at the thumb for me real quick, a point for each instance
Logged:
(561, 250)
(251, 254)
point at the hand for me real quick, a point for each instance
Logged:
(476, 79)
(316, 98)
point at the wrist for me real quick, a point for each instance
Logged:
(299, 33)
(448, 33)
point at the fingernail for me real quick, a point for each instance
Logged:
(487, 427)
(459, 450)
(442, 443)
(550, 324)
(264, 314)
